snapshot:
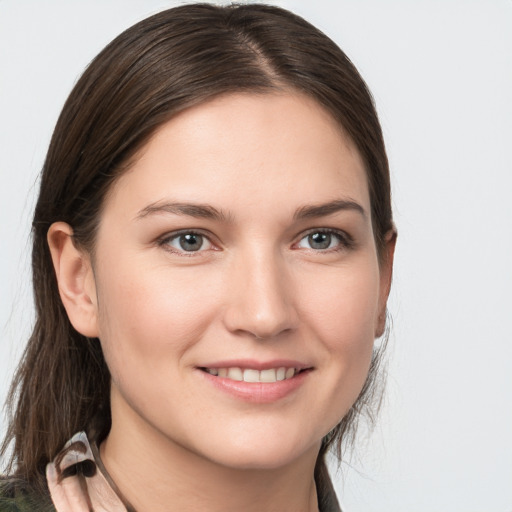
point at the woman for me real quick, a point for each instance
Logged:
(213, 245)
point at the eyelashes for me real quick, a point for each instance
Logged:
(190, 242)
(325, 240)
(187, 242)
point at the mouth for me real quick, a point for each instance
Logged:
(268, 375)
(255, 381)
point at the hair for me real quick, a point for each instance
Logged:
(159, 67)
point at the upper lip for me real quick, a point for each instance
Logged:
(256, 365)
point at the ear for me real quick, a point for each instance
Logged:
(386, 274)
(75, 279)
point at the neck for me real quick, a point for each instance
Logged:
(154, 473)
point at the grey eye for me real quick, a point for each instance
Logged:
(320, 241)
(189, 242)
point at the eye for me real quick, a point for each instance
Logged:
(323, 240)
(187, 241)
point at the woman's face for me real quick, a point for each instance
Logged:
(238, 289)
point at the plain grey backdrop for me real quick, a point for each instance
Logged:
(441, 74)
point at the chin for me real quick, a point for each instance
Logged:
(268, 453)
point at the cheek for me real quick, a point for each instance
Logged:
(343, 305)
(342, 311)
(147, 314)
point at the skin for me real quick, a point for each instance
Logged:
(257, 289)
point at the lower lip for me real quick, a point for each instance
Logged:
(257, 392)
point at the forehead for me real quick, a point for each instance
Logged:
(244, 149)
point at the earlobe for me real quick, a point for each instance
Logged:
(75, 279)
(386, 274)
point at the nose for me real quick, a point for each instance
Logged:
(261, 301)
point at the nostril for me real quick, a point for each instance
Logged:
(263, 305)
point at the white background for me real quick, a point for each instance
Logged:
(441, 74)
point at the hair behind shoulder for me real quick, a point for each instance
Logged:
(157, 68)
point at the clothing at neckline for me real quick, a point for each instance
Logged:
(79, 482)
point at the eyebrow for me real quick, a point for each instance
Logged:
(200, 211)
(322, 210)
(206, 211)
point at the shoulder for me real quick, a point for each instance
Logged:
(18, 496)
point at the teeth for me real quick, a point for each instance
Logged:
(250, 375)
(268, 376)
(235, 374)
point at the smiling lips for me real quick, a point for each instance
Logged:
(252, 375)
(256, 382)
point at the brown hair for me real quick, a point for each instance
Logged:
(155, 69)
